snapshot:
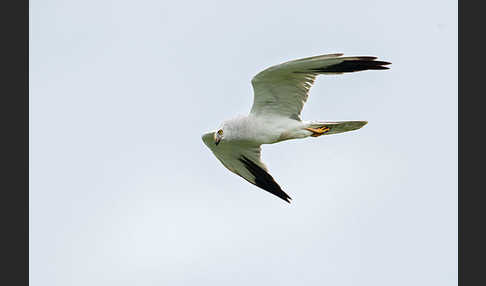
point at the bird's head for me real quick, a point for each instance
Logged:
(214, 138)
(226, 132)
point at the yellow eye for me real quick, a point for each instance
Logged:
(220, 131)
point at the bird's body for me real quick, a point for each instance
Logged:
(280, 93)
(262, 129)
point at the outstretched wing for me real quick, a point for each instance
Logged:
(244, 160)
(283, 89)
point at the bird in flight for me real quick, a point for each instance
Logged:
(280, 92)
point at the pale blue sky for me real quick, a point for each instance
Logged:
(124, 192)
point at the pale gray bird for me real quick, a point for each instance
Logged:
(279, 95)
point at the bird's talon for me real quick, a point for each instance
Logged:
(316, 132)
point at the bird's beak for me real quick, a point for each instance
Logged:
(217, 139)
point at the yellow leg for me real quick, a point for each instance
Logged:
(318, 131)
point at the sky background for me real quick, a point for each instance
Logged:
(124, 192)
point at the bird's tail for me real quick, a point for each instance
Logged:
(319, 128)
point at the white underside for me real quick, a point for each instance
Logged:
(273, 129)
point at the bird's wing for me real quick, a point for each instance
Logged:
(244, 160)
(283, 89)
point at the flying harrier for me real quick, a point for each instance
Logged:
(279, 95)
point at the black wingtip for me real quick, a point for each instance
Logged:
(283, 195)
(354, 65)
(264, 180)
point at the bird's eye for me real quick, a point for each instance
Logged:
(220, 131)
